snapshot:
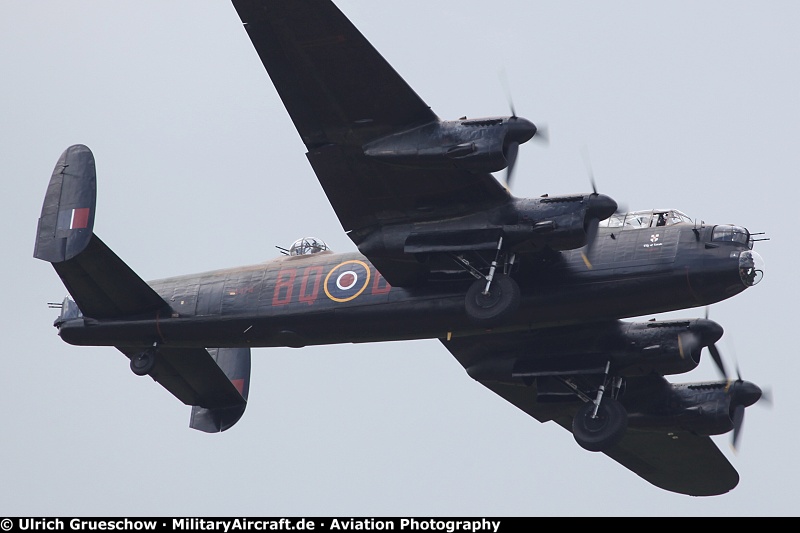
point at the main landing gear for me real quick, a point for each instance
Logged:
(599, 427)
(143, 363)
(600, 423)
(490, 302)
(494, 296)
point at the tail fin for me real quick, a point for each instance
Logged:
(235, 362)
(65, 227)
(101, 283)
(214, 382)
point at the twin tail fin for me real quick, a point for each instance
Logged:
(214, 381)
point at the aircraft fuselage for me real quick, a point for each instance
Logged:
(329, 298)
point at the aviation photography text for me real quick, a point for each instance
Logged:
(228, 525)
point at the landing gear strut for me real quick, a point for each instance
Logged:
(601, 423)
(492, 297)
(144, 362)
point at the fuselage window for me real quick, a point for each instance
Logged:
(730, 234)
(614, 221)
(637, 220)
(676, 217)
(645, 219)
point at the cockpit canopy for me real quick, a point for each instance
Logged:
(646, 219)
(307, 246)
(670, 217)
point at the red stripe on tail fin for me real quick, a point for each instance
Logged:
(80, 218)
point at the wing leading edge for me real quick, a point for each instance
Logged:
(333, 82)
(341, 94)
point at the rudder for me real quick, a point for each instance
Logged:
(65, 226)
(235, 362)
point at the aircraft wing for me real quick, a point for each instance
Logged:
(341, 94)
(670, 458)
(674, 460)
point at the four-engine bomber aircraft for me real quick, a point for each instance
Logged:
(529, 295)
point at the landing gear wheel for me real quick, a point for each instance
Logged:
(598, 434)
(495, 306)
(144, 362)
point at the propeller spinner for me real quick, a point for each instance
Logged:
(520, 131)
(600, 208)
(742, 394)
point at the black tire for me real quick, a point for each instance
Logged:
(603, 432)
(492, 308)
(144, 362)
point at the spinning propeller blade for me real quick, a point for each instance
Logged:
(542, 134)
(687, 343)
(524, 132)
(591, 236)
(715, 355)
(520, 131)
(743, 394)
(511, 156)
(600, 208)
(738, 420)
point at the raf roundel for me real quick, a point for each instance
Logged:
(347, 280)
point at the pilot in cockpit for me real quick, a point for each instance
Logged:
(662, 219)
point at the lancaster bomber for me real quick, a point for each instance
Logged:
(539, 299)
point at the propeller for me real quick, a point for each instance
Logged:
(542, 134)
(742, 393)
(591, 236)
(687, 343)
(511, 157)
(701, 333)
(715, 355)
(593, 223)
(600, 207)
(520, 131)
(738, 420)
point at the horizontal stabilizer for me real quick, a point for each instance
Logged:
(214, 382)
(104, 286)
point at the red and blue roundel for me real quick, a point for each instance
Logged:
(347, 280)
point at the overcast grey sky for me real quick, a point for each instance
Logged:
(685, 104)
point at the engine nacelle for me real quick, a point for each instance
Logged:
(634, 349)
(667, 348)
(479, 145)
(556, 222)
(702, 408)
